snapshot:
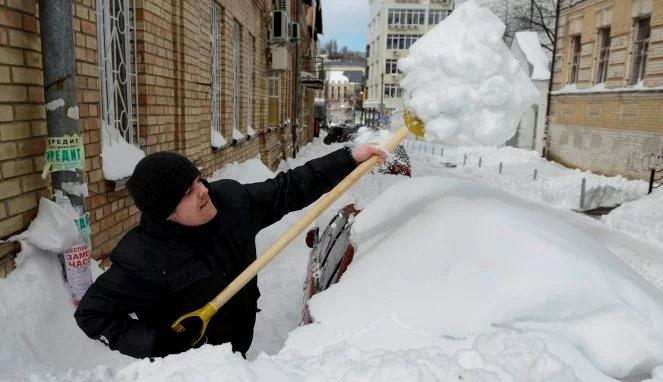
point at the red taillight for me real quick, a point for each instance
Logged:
(312, 237)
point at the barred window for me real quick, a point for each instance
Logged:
(116, 39)
(603, 55)
(406, 17)
(401, 41)
(640, 47)
(575, 59)
(249, 108)
(237, 76)
(216, 69)
(392, 90)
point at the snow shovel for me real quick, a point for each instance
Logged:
(412, 125)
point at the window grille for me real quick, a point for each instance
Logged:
(281, 5)
(640, 46)
(392, 90)
(216, 69)
(575, 59)
(391, 66)
(401, 41)
(249, 108)
(236, 62)
(603, 55)
(274, 107)
(116, 40)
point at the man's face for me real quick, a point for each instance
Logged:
(195, 208)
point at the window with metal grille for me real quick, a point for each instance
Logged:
(392, 90)
(603, 55)
(640, 47)
(401, 41)
(575, 59)
(391, 66)
(281, 5)
(274, 106)
(249, 107)
(406, 17)
(116, 40)
(216, 70)
(237, 77)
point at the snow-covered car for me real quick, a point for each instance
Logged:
(331, 253)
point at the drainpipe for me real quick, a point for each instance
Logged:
(295, 87)
(546, 132)
(65, 158)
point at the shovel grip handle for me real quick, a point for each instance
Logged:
(252, 270)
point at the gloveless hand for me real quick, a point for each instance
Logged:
(362, 153)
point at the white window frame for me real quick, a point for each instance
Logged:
(401, 41)
(237, 76)
(576, 51)
(216, 68)
(602, 55)
(116, 41)
(640, 52)
(249, 107)
(435, 16)
(403, 17)
(392, 90)
(391, 66)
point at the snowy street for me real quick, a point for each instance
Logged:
(330, 351)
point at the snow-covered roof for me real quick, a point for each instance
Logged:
(337, 76)
(529, 43)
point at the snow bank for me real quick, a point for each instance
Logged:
(38, 331)
(529, 43)
(119, 157)
(53, 229)
(463, 82)
(642, 218)
(554, 184)
(249, 171)
(442, 258)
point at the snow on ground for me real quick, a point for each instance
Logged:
(642, 218)
(464, 83)
(502, 290)
(554, 184)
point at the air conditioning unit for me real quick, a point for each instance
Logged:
(280, 57)
(294, 31)
(279, 26)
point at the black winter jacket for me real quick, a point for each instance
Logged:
(162, 270)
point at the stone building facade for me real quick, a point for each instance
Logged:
(191, 67)
(606, 113)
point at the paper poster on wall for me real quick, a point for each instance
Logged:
(65, 153)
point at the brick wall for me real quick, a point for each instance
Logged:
(614, 132)
(174, 82)
(22, 120)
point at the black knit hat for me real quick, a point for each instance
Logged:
(159, 182)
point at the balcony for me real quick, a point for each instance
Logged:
(312, 73)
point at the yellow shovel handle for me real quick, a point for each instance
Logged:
(252, 270)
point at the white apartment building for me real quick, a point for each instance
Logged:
(394, 25)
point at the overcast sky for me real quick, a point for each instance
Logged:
(346, 21)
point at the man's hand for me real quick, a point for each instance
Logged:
(362, 153)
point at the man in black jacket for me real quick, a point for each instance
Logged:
(194, 238)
